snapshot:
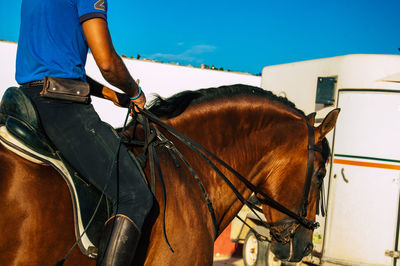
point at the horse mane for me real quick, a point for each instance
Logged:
(177, 104)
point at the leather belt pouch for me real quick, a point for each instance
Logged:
(66, 89)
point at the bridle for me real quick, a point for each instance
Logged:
(282, 230)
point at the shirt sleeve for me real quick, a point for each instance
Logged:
(88, 9)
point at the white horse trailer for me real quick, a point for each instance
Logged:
(362, 185)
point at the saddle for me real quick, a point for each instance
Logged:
(22, 133)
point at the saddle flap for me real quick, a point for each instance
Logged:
(85, 197)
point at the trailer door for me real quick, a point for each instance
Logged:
(362, 220)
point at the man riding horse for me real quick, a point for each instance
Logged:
(54, 39)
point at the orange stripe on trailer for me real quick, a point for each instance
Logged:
(367, 164)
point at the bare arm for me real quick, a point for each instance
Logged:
(99, 90)
(109, 62)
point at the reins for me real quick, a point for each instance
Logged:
(151, 136)
(203, 152)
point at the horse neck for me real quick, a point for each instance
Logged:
(240, 133)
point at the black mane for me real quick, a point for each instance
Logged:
(176, 104)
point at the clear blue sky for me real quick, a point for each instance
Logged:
(242, 35)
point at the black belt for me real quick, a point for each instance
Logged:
(36, 83)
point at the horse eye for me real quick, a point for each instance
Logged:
(321, 174)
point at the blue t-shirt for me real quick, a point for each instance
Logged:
(51, 40)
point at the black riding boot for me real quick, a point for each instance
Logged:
(119, 242)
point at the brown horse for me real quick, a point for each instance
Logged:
(263, 137)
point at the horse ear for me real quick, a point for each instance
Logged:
(329, 123)
(311, 118)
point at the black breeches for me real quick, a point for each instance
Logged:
(90, 146)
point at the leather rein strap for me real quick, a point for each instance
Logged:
(205, 154)
(310, 168)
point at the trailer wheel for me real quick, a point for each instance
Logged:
(272, 260)
(254, 251)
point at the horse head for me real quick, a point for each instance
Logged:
(295, 182)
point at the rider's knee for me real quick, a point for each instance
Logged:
(139, 198)
(147, 199)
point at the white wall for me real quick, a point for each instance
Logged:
(155, 78)
(8, 55)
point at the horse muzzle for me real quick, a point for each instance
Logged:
(294, 245)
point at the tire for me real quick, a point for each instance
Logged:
(254, 251)
(272, 260)
(258, 253)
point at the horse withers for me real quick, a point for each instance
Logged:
(263, 137)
